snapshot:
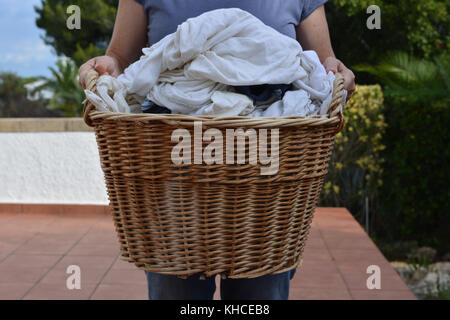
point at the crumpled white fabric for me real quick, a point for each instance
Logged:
(193, 70)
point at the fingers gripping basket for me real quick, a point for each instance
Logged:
(228, 219)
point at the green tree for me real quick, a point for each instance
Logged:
(68, 95)
(416, 191)
(97, 22)
(14, 101)
(419, 28)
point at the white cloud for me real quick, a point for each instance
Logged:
(27, 52)
(22, 50)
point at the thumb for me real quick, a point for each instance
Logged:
(101, 69)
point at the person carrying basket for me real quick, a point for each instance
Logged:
(142, 22)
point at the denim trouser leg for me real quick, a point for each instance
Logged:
(269, 287)
(167, 287)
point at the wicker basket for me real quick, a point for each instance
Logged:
(225, 219)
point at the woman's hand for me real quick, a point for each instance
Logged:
(103, 65)
(334, 65)
(128, 39)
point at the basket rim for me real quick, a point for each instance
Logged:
(334, 116)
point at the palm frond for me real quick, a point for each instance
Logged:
(406, 76)
(68, 95)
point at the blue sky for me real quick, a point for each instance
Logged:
(21, 48)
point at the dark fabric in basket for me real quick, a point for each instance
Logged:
(264, 92)
(149, 106)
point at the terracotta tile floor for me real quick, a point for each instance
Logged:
(37, 247)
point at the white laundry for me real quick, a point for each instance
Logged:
(193, 70)
(227, 104)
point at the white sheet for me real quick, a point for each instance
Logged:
(192, 71)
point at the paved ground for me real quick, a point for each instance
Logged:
(37, 247)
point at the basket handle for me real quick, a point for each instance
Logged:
(338, 94)
(91, 85)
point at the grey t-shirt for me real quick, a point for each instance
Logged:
(164, 16)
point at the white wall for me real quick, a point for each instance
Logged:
(50, 167)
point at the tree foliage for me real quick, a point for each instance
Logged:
(68, 95)
(411, 79)
(14, 102)
(416, 172)
(418, 28)
(97, 22)
(356, 167)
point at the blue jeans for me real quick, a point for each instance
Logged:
(268, 287)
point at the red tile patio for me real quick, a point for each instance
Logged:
(38, 243)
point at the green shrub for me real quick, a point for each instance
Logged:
(396, 250)
(416, 173)
(356, 166)
(15, 102)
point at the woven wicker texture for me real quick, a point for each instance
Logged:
(225, 219)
